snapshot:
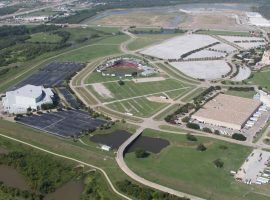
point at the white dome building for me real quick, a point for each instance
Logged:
(28, 96)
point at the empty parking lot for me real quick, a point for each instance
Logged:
(67, 123)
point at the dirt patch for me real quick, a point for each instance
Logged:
(3, 151)
(102, 90)
(160, 99)
(150, 79)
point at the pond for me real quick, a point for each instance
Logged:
(69, 191)
(116, 138)
(10, 177)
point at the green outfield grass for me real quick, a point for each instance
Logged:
(182, 167)
(140, 107)
(261, 79)
(145, 40)
(131, 89)
(226, 33)
(45, 38)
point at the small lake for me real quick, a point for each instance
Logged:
(69, 191)
(12, 178)
(116, 138)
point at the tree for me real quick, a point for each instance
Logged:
(239, 136)
(191, 137)
(207, 130)
(201, 147)
(193, 126)
(120, 82)
(185, 119)
(140, 153)
(218, 163)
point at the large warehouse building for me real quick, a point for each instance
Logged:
(227, 111)
(28, 96)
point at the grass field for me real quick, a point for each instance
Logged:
(178, 93)
(249, 94)
(131, 89)
(167, 112)
(229, 33)
(45, 37)
(77, 150)
(261, 79)
(140, 107)
(192, 95)
(182, 167)
(145, 40)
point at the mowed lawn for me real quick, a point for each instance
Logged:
(45, 38)
(261, 79)
(104, 47)
(245, 94)
(145, 40)
(140, 107)
(182, 167)
(131, 89)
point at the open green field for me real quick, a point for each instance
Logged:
(182, 167)
(178, 93)
(104, 47)
(45, 38)
(131, 89)
(193, 94)
(168, 111)
(261, 79)
(249, 94)
(140, 107)
(145, 40)
(226, 33)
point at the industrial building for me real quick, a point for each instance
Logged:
(227, 111)
(28, 96)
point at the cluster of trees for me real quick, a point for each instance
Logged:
(8, 10)
(140, 153)
(182, 110)
(218, 163)
(43, 172)
(244, 89)
(15, 192)
(14, 46)
(156, 31)
(144, 193)
(193, 126)
(201, 97)
(239, 136)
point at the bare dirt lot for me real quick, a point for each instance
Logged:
(102, 90)
(150, 79)
(159, 99)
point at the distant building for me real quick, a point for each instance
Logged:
(28, 96)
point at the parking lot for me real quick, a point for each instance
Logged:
(253, 170)
(52, 74)
(70, 98)
(66, 123)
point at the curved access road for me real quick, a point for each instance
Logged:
(121, 162)
(72, 159)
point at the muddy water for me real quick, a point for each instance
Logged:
(69, 191)
(12, 178)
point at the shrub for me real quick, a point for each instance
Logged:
(193, 126)
(120, 82)
(217, 132)
(201, 147)
(140, 153)
(185, 119)
(239, 136)
(207, 130)
(191, 137)
(218, 163)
